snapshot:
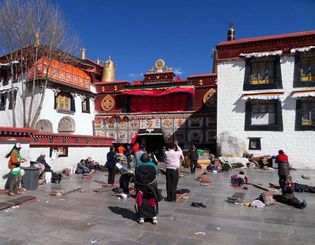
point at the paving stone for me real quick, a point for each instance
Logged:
(85, 217)
(162, 239)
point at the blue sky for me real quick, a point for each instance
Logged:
(137, 32)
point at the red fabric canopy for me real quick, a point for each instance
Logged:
(159, 92)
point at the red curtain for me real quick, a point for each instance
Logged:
(170, 102)
(159, 92)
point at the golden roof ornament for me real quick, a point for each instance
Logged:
(159, 65)
(150, 70)
(168, 69)
(108, 71)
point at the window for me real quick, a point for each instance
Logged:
(305, 114)
(3, 101)
(14, 99)
(254, 144)
(263, 115)
(64, 102)
(86, 105)
(262, 73)
(304, 69)
(4, 77)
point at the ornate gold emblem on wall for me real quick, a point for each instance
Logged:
(208, 98)
(107, 103)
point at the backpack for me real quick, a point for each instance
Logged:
(226, 166)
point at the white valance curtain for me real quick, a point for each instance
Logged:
(261, 54)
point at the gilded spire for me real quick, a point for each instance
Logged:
(108, 71)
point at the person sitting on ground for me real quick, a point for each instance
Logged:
(14, 177)
(90, 165)
(81, 168)
(239, 179)
(96, 166)
(147, 193)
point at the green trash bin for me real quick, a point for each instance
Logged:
(30, 178)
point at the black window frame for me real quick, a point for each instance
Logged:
(258, 143)
(14, 92)
(88, 108)
(298, 117)
(277, 75)
(5, 77)
(297, 83)
(3, 101)
(273, 127)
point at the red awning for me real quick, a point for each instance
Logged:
(159, 92)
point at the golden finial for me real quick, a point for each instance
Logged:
(108, 71)
(169, 69)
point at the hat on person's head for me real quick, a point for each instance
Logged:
(18, 145)
(145, 157)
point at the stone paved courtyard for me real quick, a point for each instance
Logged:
(87, 217)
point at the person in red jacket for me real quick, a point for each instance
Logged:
(283, 169)
(136, 147)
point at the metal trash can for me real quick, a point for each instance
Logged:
(30, 178)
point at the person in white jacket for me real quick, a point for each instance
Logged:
(172, 163)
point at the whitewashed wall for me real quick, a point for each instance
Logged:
(298, 145)
(75, 154)
(83, 121)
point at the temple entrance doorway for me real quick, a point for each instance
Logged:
(153, 141)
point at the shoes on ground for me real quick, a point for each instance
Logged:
(141, 220)
(201, 205)
(305, 177)
(198, 205)
(303, 205)
(154, 220)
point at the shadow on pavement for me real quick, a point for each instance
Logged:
(124, 212)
